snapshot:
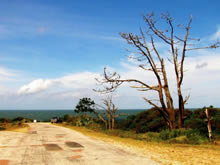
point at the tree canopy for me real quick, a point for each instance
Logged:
(85, 105)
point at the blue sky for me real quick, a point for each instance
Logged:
(55, 48)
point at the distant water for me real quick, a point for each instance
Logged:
(46, 115)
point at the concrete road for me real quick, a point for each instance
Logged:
(47, 144)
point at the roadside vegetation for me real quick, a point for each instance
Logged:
(150, 126)
(147, 132)
(16, 124)
(181, 146)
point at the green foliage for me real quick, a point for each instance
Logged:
(216, 125)
(147, 121)
(186, 136)
(198, 124)
(21, 120)
(149, 136)
(67, 118)
(197, 120)
(85, 105)
(121, 133)
(4, 120)
(167, 134)
(2, 127)
(18, 119)
(95, 126)
(152, 121)
(129, 123)
(150, 126)
(81, 120)
(196, 131)
(6, 124)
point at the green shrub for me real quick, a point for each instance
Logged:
(149, 136)
(216, 125)
(95, 126)
(18, 119)
(165, 134)
(82, 120)
(67, 118)
(4, 120)
(147, 121)
(187, 136)
(2, 128)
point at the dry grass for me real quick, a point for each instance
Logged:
(162, 152)
(24, 128)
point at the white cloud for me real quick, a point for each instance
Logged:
(216, 36)
(35, 86)
(72, 81)
(79, 80)
(6, 74)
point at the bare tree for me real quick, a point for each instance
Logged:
(111, 110)
(105, 113)
(151, 60)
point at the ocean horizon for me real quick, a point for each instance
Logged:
(47, 114)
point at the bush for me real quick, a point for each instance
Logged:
(67, 118)
(95, 126)
(2, 128)
(4, 120)
(147, 121)
(18, 119)
(28, 120)
(216, 125)
(165, 135)
(82, 120)
(149, 136)
(188, 136)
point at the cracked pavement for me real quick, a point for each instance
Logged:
(47, 144)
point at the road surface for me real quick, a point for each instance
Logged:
(47, 144)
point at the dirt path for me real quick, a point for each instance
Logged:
(52, 145)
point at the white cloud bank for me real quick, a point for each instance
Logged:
(201, 81)
(72, 81)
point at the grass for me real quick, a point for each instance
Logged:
(23, 128)
(159, 151)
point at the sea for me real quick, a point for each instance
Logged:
(46, 115)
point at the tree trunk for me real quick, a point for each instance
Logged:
(113, 120)
(109, 120)
(172, 119)
(106, 124)
(209, 125)
(169, 99)
(181, 111)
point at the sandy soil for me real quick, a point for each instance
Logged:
(49, 144)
